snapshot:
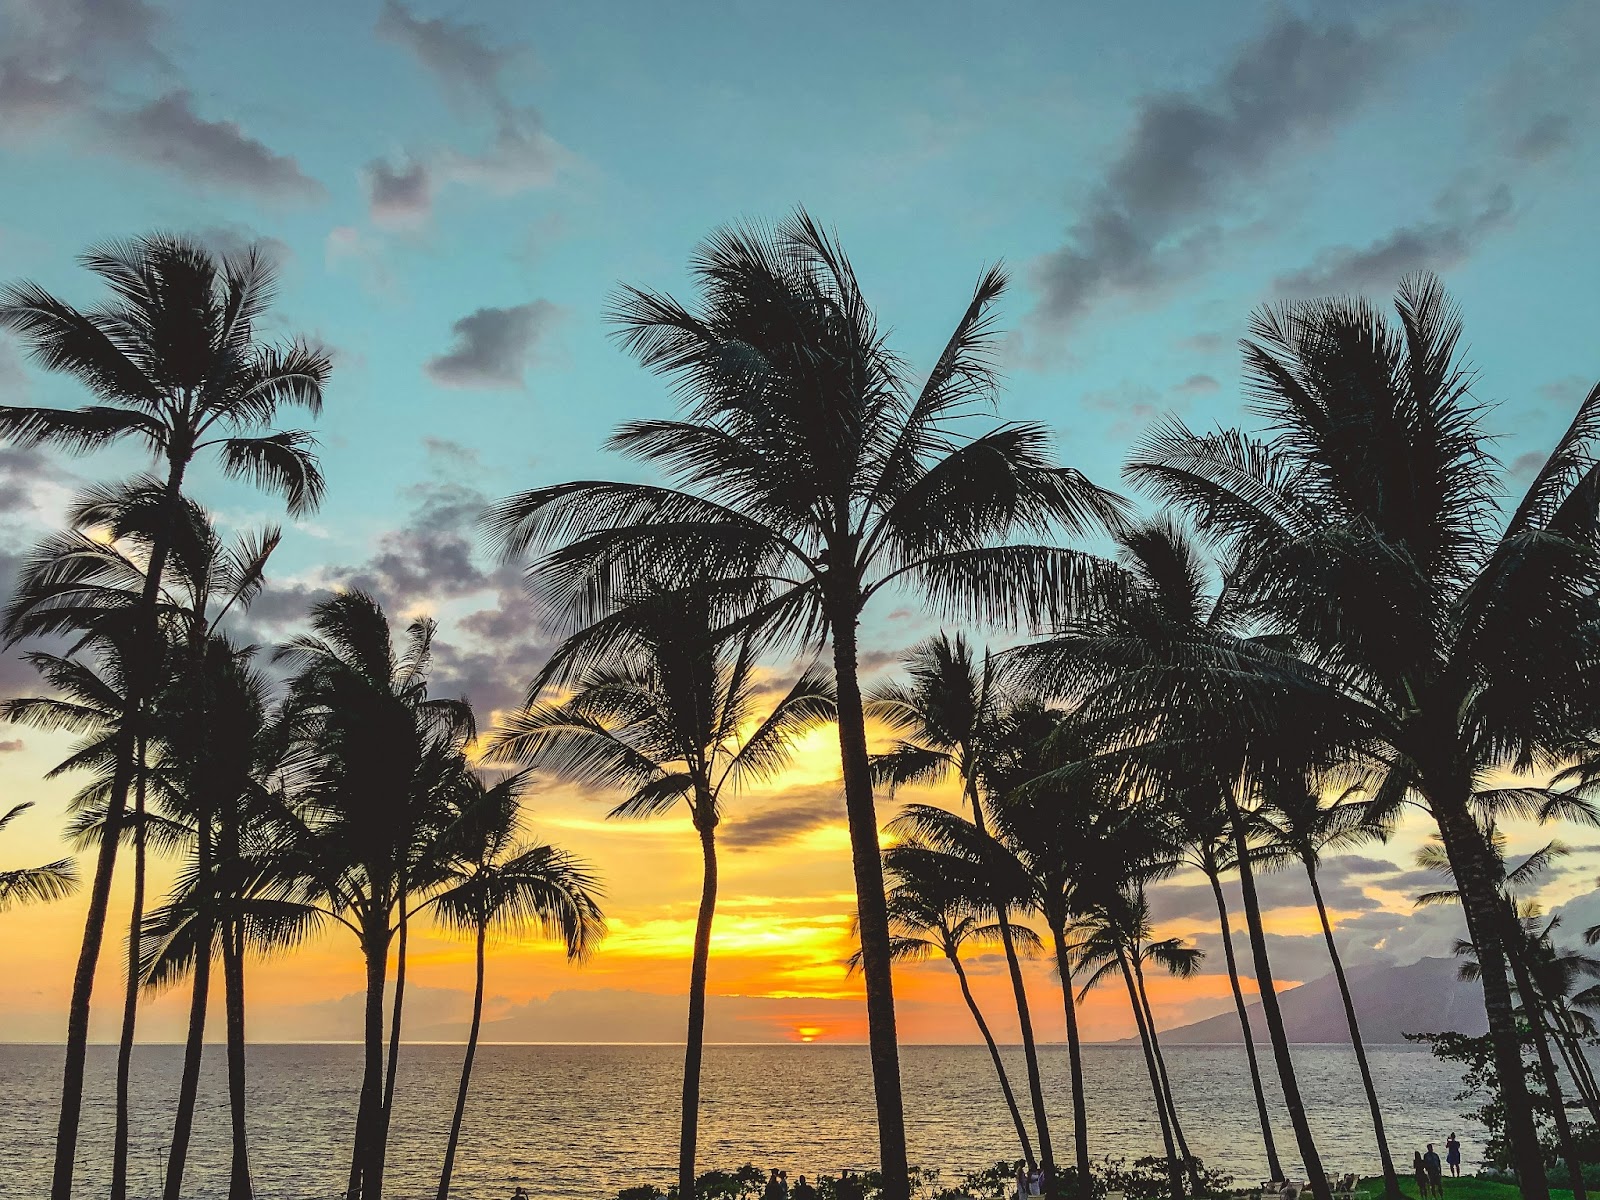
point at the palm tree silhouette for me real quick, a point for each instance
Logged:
(935, 909)
(34, 885)
(1114, 935)
(1534, 964)
(1202, 829)
(1170, 672)
(493, 882)
(812, 468)
(378, 755)
(1368, 528)
(173, 362)
(949, 718)
(1300, 825)
(661, 707)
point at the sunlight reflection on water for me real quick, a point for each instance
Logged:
(585, 1121)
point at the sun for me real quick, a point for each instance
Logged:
(808, 1033)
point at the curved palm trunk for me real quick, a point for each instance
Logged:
(466, 1073)
(1274, 1168)
(1391, 1181)
(94, 924)
(189, 1083)
(872, 912)
(239, 1187)
(994, 1055)
(1480, 902)
(94, 932)
(376, 951)
(1080, 1104)
(378, 1147)
(1174, 1166)
(1577, 1066)
(130, 999)
(1316, 1177)
(694, 1043)
(1030, 1051)
(1189, 1162)
(1533, 1006)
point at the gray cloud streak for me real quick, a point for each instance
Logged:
(1153, 217)
(493, 346)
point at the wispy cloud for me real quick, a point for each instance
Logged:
(1156, 215)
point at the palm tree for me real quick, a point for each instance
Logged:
(172, 361)
(1056, 831)
(949, 718)
(1168, 670)
(215, 760)
(661, 707)
(34, 885)
(1533, 961)
(376, 756)
(811, 467)
(496, 883)
(1202, 828)
(1301, 826)
(1369, 530)
(932, 913)
(1115, 935)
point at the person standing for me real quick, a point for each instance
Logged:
(1022, 1182)
(1452, 1156)
(803, 1190)
(774, 1189)
(1420, 1170)
(1435, 1168)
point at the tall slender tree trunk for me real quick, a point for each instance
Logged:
(376, 950)
(466, 1071)
(1316, 1177)
(130, 999)
(1274, 1168)
(694, 1042)
(1174, 1165)
(94, 931)
(994, 1055)
(94, 924)
(1577, 1066)
(378, 1146)
(1019, 989)
(189, 1082)
(1534, 1008)
(1189, 1163)
(1480, 903)
(1391, 1181)
(872, 914)
(1080, 1103)
(239, 1187)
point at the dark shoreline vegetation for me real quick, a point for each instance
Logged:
(1292, 638)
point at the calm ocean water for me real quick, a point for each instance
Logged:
(585, 1121)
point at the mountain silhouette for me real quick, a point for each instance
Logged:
(1422, 997)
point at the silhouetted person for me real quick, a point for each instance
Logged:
(1435, 1170)
(1022, 1182)
(803, 1190)
(774, 1188)
(1420, 1170)
(1452, 1155)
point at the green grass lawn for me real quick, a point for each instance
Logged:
(1465, 1188)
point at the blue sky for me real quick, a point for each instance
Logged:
(454, 191)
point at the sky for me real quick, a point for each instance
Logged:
(453, 192)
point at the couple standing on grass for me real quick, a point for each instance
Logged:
(1430, 1171)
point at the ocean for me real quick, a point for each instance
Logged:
(585, 1121)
